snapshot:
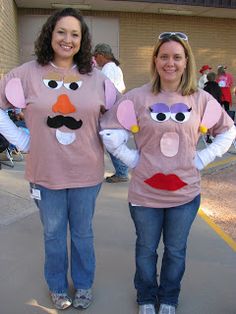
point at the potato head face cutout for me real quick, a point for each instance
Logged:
(64, 110)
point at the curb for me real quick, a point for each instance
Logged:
(231, 243)
(216, 166)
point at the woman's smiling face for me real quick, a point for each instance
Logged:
(170, 63)
(66, 38)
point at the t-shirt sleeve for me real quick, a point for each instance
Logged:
(224, 123)
(20, 72)
(109, 119)
(4, 104)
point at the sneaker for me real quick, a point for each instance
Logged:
(116, 179)
(61, 301)
(147, 309)
(83, 298)
(166, 309)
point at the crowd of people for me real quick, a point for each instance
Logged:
(64, 100)
(219, 84)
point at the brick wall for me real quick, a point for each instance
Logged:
(8, 36)
(213, 40)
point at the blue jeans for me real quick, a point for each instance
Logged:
(58, 208)
(121, 170)
(174, 224)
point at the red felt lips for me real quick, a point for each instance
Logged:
(170, 182)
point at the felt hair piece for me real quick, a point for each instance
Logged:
(127, 117)
(14, 93)
(211, 115)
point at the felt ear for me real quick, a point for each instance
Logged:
(14, 93)
(110, 94)
(211, 115)
(127, 117)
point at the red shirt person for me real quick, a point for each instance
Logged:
(225, 81)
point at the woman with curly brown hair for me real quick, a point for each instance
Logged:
(65, 166)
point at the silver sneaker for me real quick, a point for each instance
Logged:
(166, 309)
(83, 298)
(61, 301)
(147, 309)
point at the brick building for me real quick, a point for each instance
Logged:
(129, 29)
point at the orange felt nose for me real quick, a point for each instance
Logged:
(63, 105)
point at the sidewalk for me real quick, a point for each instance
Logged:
(208, 287)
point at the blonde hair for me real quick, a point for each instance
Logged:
(188, 84)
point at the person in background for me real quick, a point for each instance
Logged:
(10, 132)
(65, 165)
(203, 79)
(109, 65)
(214, 89)
(164, 192)
(12, 153)
(225, 81)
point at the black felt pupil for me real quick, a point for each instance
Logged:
(74, 85)
(52, 84)
(180, 116)
(161, 116)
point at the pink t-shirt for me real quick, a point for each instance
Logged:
(165, 175)
(65, 152)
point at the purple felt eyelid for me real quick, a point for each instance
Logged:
(179, 107)
(160, 107)
(175, 108)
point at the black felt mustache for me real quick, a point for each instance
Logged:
(58, 121)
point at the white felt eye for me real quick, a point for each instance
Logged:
(180, 117)
(53, 84)
(73, 85)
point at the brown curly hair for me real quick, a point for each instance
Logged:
(43, 47)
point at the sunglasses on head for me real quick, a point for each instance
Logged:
(177, 34)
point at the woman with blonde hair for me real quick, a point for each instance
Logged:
(167, 116)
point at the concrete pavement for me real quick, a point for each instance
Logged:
(208, 287)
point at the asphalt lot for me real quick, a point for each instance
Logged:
(208, 286)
